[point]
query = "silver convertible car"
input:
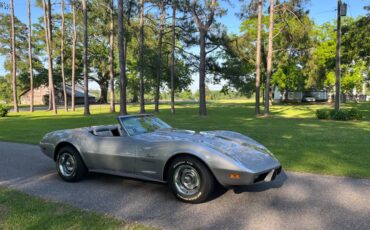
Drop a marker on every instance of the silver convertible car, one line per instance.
(145, 147)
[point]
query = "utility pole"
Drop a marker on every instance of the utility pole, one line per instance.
(342, 11)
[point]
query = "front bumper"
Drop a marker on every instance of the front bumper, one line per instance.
(247, 178)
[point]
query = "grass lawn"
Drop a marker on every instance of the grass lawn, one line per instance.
(300, 141)
(21, 211)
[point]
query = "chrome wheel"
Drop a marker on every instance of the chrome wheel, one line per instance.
(67, 164)
(187, 180)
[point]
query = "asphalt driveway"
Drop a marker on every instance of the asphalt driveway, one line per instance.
(293, 201)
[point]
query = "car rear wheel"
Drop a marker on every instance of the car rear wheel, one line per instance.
(190, 180)
(69, 164)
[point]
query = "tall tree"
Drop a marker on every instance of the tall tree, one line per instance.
(47, 28)
(14, 61)
(258, 57)
(122, 61)
(269, 59)
(52, 101)
(62, 59)
(111, 57)
(203, 28)
(162, 10)
(173, 41)
(74, 38)
(85, 60)
(141, 57)
(30, 55)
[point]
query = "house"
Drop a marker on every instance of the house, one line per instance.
(300, 96)
(41, 96)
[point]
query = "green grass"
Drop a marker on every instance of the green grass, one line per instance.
(21, 211)
(299, 140)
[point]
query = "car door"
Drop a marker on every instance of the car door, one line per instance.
(150, 157)
(111, 153)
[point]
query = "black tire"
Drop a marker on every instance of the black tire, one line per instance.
(79, 169)
(194, 166)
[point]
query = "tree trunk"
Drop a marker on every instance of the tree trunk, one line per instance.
(141, 57)
(135, 97)
(159, 69)
(74, 37)
(62, 61)
(85, 61)
(269, 60)
(103, 92)
(111, 58)
(30, 55)
(14, 61)
(51, 86)
(173, 40)
(48, 40)
(202, 74)
(258, 57)
(203, 28)
(122, 62)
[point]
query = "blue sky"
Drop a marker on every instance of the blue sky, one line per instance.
(320, 10)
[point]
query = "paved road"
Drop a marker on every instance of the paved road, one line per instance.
(293, 201)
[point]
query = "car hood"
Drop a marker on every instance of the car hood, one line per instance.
(241, 148)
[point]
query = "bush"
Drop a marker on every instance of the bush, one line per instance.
(341, 115)
(323, 114)
(355, 114)
(3, 110)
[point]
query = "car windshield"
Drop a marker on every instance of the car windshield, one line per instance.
(142, 124)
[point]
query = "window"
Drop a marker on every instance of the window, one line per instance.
(136, 125)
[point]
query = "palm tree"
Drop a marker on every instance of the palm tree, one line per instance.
(111, 58)
(141, 57)
(62, 60)
(258, 57)
(74, 37)
(122, 62)
(14, 61)
(173, 40)
(30, 54)
(85, 61)
(269, 60)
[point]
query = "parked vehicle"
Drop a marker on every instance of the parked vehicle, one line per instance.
(145, 147)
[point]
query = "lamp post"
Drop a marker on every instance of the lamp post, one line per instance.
(342, 11)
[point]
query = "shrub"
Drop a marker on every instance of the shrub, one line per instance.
(355, 114)
(323, 114)
(341, 115)
(3, 110)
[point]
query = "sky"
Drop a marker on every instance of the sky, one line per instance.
(320, 10)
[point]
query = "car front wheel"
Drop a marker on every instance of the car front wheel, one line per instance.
(69, 164)
(190, 180)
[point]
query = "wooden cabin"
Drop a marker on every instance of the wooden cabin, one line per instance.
(41, 96)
